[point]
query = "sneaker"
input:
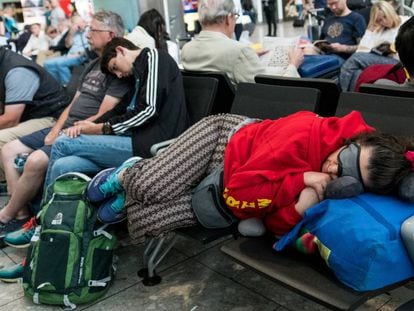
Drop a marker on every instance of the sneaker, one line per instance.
(12, 225)
(94, 192)
(106, 183)
(21, 238)
(112, 211)
(12, 274)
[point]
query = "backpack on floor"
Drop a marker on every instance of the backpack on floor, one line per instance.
(71, 258)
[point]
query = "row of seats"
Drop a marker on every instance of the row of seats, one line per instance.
(263, 100)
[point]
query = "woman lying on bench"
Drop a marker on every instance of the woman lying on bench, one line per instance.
(273, 170)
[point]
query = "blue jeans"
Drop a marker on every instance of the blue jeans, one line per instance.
(87, 154)
(60, 67)
(354, 65)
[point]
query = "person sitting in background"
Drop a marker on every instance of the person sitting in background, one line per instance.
(37, 42)
(214, 50)
(151, 32)
(56, 13)
(404, 44)
(342, 30)
(10, 22)
(76, 41)
(57, 39)
(381, 31)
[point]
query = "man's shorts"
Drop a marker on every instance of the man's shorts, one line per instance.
(36, 141)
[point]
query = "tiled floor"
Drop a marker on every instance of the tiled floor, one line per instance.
(195, 277)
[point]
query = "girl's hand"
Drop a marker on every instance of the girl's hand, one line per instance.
(318, 181)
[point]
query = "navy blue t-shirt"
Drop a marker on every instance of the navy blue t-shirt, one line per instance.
(344, 29)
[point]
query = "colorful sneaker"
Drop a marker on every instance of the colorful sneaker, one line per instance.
(112, 211)
(106, 183)
(12, 274)
(21, 238)
(12, 225)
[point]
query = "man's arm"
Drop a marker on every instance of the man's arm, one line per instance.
(11, 116)
(69, 38)
(342, 48)
(54, 132)
(108, 103)
(21, 85)
(88, 126)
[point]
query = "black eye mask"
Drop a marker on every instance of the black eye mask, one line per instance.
(349, 183)
(348, 162)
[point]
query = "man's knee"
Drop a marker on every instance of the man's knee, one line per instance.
(13, 148)
(36, 162)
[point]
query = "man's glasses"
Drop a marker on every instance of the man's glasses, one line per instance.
(90, 29)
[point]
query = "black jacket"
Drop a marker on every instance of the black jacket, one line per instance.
(159, 111)
(49, 100)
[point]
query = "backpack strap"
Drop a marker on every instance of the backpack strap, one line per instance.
(73, 174)
(69, 305)
(99, 283)
(101, 231)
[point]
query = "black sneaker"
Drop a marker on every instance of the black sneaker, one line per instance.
(12, 225)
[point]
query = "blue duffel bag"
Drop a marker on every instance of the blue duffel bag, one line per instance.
(360, 240)
(315, 66)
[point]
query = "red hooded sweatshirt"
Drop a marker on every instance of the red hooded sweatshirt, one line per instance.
(264, 163)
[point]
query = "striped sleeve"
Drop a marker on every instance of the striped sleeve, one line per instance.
(138, 117)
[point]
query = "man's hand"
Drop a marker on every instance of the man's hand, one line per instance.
(73, 131)
(296, 57)
(88, 127)
(318, 181)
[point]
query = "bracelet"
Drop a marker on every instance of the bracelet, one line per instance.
(107, 128)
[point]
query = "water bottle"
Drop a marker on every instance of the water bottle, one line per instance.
(20, 161)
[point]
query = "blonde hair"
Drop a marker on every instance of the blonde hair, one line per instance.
(389, 13)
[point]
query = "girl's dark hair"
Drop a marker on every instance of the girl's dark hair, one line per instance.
(387, 164)
(153, 22)
(109, 51)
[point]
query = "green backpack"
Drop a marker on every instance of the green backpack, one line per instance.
(71, 259)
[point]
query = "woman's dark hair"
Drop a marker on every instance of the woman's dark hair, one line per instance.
(387, 164)
(109, 51)
(153, 22)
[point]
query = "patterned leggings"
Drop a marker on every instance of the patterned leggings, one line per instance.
(158, 190)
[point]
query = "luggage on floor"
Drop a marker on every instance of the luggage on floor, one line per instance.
(71, 258)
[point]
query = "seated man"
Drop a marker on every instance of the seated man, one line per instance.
(343, 29)
(30, 98)
(214, 50)
(97, 93)
(404, 44)
(156, 113)
(76, 41)
(37, 42)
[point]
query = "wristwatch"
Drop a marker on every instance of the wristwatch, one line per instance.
(107, 128)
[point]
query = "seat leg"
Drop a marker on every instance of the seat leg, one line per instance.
(153, 255)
